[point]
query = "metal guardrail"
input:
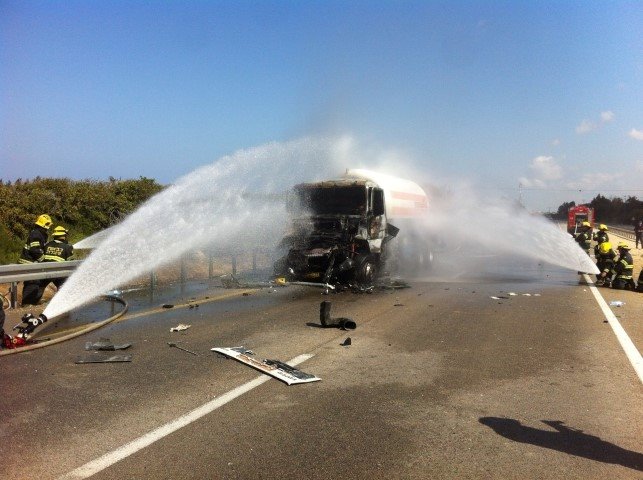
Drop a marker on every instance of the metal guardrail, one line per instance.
(16, 273)
(622, 232)
(34, 271)
(37, 271)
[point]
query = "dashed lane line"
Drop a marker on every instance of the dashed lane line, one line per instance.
(633, 355)
(109, 459)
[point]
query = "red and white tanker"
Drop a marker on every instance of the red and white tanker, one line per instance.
(342, 228)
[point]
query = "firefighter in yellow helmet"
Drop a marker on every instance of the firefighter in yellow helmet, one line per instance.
(584, 238)
(57, 250)
(624, 269)
(605, 260)
(600, 237)
(33, 252)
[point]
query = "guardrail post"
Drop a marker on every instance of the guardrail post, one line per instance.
(152, 284)
(210, 266)
(254, 261)
(14, 295)
(183, 274)
(234, 264)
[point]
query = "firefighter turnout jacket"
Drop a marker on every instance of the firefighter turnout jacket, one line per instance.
(624, 267)
(58, 251)
(584, 239)
(34, 249)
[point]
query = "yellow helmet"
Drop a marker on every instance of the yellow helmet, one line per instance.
(586, 224)
(603, 227)
(60, 231)
(44, 221)
(623, 245)
(604, 247)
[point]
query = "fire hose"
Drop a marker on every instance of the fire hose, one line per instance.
(90, 328)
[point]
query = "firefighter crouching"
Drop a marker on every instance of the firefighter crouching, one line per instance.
(33, 252)
(57, 250)
(600, 237)
(624, 269)
(584, 238)
(605, 261)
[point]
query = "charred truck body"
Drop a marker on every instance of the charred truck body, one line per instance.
(342, 229)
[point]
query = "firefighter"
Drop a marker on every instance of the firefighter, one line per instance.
(584, 238)
(638, 231)
(605, 260)
(33, 252)
(623, 269)
(57, 250)
(600, 237)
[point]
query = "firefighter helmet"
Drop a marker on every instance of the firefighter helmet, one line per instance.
(586, 224)
(603, 227)
(59, 231)
(44, 221)
(623, 245)
(604, 247)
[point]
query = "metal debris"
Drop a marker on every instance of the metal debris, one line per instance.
(99, 358)
(172, 344)
(106, 345)
(180, 327)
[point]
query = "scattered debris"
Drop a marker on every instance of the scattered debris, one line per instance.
(327, 322)
(180, 327)
(398, 304)
(495, 298)
(172, 344)
(526, 294)
(167, 305)
(105, 344)
(99, 358)
(512, 294)
(346, 342)
(274, 368)
(616, 303)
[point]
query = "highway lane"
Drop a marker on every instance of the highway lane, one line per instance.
(440, 381)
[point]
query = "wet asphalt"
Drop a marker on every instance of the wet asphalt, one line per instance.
(440, 381)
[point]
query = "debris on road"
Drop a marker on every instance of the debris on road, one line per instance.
(346, 342)
(327, 322)
(99, 358)
(274, 368)
(616, 303)
(167, 305)
(105, 344)
(180, 327)
(172, 344)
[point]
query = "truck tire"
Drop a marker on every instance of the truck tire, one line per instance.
(367, 270)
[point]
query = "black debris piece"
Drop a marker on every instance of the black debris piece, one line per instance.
(101, 358)
(105, 344)
(327, 322)
(346, 342)
(167, 305)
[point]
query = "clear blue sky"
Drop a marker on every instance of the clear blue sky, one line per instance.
(544, 94)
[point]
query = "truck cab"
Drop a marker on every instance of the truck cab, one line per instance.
(341, 228)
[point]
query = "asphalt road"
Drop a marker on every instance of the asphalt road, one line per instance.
(440, 381)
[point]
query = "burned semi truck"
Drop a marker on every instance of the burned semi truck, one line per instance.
(343, 230)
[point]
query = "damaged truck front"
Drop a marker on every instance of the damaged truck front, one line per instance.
(342, 228)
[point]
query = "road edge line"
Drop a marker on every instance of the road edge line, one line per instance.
(632, 353)
(101, 463)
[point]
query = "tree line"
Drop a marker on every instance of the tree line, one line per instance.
(609, 210)
(84, 207)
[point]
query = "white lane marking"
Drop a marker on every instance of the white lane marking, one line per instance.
(630, 349)
(134, 446)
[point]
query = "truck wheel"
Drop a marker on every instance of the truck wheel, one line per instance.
(367, 270)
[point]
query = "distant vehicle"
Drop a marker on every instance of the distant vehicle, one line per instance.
(342, 228)
(577, 215)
